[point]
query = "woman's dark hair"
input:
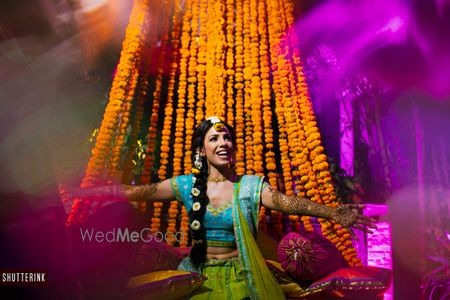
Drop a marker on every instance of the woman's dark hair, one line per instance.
(198, 251)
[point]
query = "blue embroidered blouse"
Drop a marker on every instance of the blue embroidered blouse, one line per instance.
(218, 221)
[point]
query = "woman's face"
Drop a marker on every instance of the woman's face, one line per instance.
(218, 147)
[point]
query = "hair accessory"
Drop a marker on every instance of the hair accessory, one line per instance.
(195, 225)
(195, 192)
(198, 161)
(217, 123)
(196, 206)
(214, 120)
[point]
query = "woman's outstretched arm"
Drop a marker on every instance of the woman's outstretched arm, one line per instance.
(293, 205)
(161, 191)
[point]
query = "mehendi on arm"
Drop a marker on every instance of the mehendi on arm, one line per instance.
(99, 191)
(346, 215)
(297, 205)
(140, 192)
(161, 191)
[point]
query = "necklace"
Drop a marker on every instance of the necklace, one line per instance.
(217, 179)
(222, 178)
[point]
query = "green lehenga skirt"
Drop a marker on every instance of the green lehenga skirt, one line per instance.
(226, 280)
(243, 277)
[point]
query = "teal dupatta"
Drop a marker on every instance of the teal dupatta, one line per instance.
(260, 281)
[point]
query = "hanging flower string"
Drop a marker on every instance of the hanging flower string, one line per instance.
(274, 30)
(117, 97)
(191, 87)
(201, 61)
(156, 103)
(249, 162)
(266, 94)
(173, 209)
(239, 86)
(318, 187)
(167, 124)
(219, 61)
(181, 110)
(255, 92)
(141, 98)
(230, 103)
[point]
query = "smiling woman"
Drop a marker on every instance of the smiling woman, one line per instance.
(219, 147)
(223, 215)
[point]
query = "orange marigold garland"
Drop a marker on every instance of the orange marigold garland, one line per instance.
(121, 84)
(293, 126)
(318, 185)
(255, 92)
(230, 103)
(122, 126)
(155, 112)
(192, 80)
(215, 61)
(152, 129)
(201, 62)
(266, 94)
(274, 38)
(178, 147)
(141, 98)
(168, 112)
(239, 86)
(168, 109)
(219, 63)
(186, 42)
(184, 225)
(249, 158)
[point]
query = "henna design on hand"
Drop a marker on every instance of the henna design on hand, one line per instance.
(141, 192)
(348, 217)
(296, 205)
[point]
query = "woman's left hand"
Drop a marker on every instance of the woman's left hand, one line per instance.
(348, 216)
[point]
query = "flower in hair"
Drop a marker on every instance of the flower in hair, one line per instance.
(195, 192)
(214, 120)
(196, 206)
(218, 126)
(217, 123)
(195, 171)
(194, 179)
(195, 225)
